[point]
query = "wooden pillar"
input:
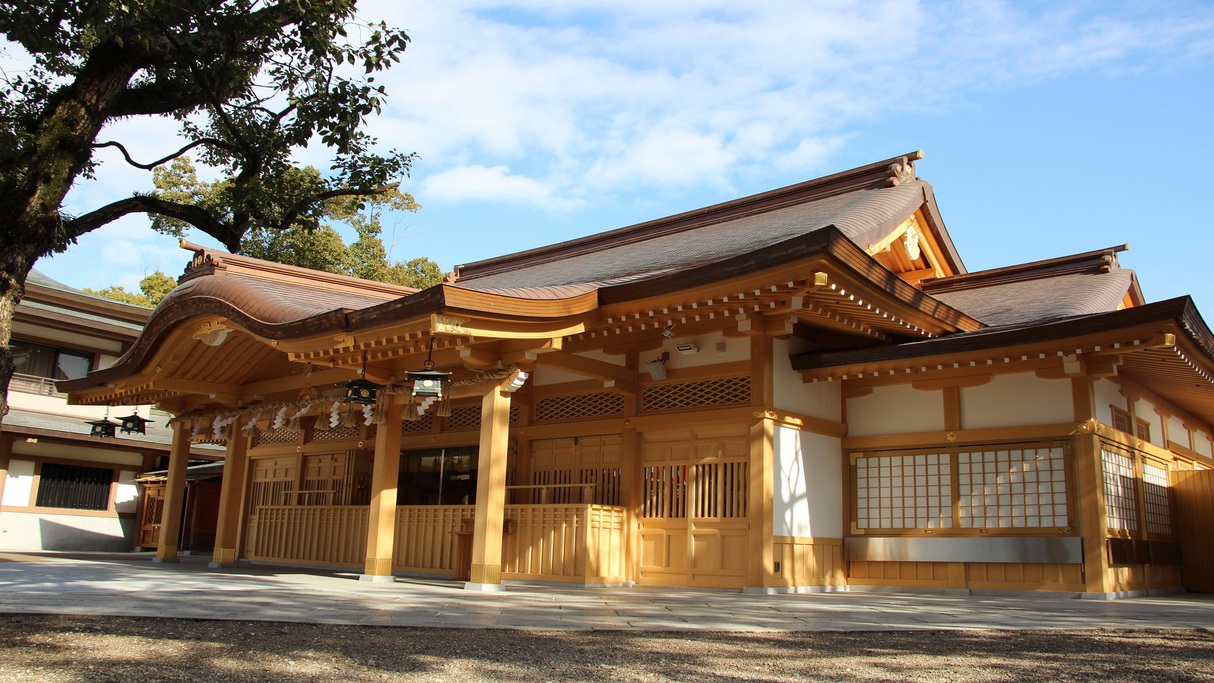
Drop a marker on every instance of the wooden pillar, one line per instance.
(231, 499)
(631, 491)
(760, 566)
(490, 491)
(381, 522)
(174, 495)
(1093, 526)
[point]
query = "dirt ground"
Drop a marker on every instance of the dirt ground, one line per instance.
(46, 649)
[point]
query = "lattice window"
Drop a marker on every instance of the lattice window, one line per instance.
(720, 490)
(1120, 495)
(713, 392)
(464, 417)
(1142, 429)
(516, 414)
(665, 491)
(423, 424)
(578, 406)
(904, 491)
(1014, 488)
(1121, 420)
(275, 437)
(606, 481)
(272, 479)
(338, 433)
(71, 486)
(1155, 496)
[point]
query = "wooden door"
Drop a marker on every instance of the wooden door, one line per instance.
(693, 528)
(152, 510)
(272, 482)
(1193, 492)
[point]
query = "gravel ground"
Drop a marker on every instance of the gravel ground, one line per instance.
(49, 649)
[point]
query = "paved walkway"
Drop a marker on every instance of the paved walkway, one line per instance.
(132, 585)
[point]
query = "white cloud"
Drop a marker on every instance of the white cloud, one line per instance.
(496, 184)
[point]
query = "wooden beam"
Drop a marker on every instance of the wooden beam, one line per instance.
(587, 367)
(228, 394)
(475, 358)
(305, 380)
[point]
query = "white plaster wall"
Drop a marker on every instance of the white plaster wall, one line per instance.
(126, 498)
(816, 399)
(897, 409)
(808, 492)
(33, 531)
(1145, 410)
(1201, 443)
(549, 376)
(19, 484)
(86, 455)
(1177, 431)
(714, 349)
(1015, 400)
(1108, 394)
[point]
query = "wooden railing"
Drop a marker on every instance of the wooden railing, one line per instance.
(328, 535)
(577, 543)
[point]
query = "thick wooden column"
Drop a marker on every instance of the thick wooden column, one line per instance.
(174, 495)
(231, 499)
(1093, 525)
(631, 498)
(760, 566)
(381, 523)
(491, 491)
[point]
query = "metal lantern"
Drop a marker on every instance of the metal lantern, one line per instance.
(428, 382)
(362, 391)
(102, 428)
(134, 423)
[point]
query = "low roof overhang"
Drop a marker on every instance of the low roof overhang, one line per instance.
(1164, 346)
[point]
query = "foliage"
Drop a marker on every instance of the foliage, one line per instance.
(318, 248)
(152, 288)
(247, 83)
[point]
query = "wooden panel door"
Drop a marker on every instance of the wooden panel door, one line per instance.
(693, 526)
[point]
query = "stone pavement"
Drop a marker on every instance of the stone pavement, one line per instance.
(132, 585)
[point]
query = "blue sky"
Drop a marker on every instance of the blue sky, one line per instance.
(1049, 128)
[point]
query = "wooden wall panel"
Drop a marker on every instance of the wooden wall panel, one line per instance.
(1194, 496)
(810, 561)
(331, 536)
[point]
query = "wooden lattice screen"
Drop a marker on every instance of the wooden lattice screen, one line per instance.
(684, 395)
(578, 406)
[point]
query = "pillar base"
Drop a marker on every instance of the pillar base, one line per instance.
(377, 578)
(160, 560)
(484, 587)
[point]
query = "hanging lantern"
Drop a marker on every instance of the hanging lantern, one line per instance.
(428, 382)
(361, 390)
(103, 427)
(134, 423)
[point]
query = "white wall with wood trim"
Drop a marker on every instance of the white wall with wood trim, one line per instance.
(714, 349)
(816, 399)
(1201, 443)
(19, 484)
(1108, 395)
(1145, 410)
(544, 376)
(896, 409)
(1178, 432)
(807, 499)
(1016, 400)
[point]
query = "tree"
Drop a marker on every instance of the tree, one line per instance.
(318, 248)
(152, 288)
(247, 82)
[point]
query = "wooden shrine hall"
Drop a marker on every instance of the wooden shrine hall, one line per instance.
(801, 390)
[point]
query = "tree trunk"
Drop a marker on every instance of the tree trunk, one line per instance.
(14, 267)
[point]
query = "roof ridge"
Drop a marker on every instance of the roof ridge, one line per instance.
(885, 173)
(206, 260)
(1096, 261)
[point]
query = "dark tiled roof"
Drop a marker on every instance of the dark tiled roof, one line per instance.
(1052, 298)
(864, 204)
(158, 437)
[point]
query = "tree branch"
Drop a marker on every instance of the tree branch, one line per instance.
(147, 167)
(290, 216)
(197, 217)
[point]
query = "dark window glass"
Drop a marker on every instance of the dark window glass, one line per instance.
(79, 488)
(38, 360)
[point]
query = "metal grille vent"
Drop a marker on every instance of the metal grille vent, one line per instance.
(578, 406)
(713, 392)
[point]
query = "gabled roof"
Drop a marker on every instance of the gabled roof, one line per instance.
(1086, 283)
(864, 204)
(51, 303)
